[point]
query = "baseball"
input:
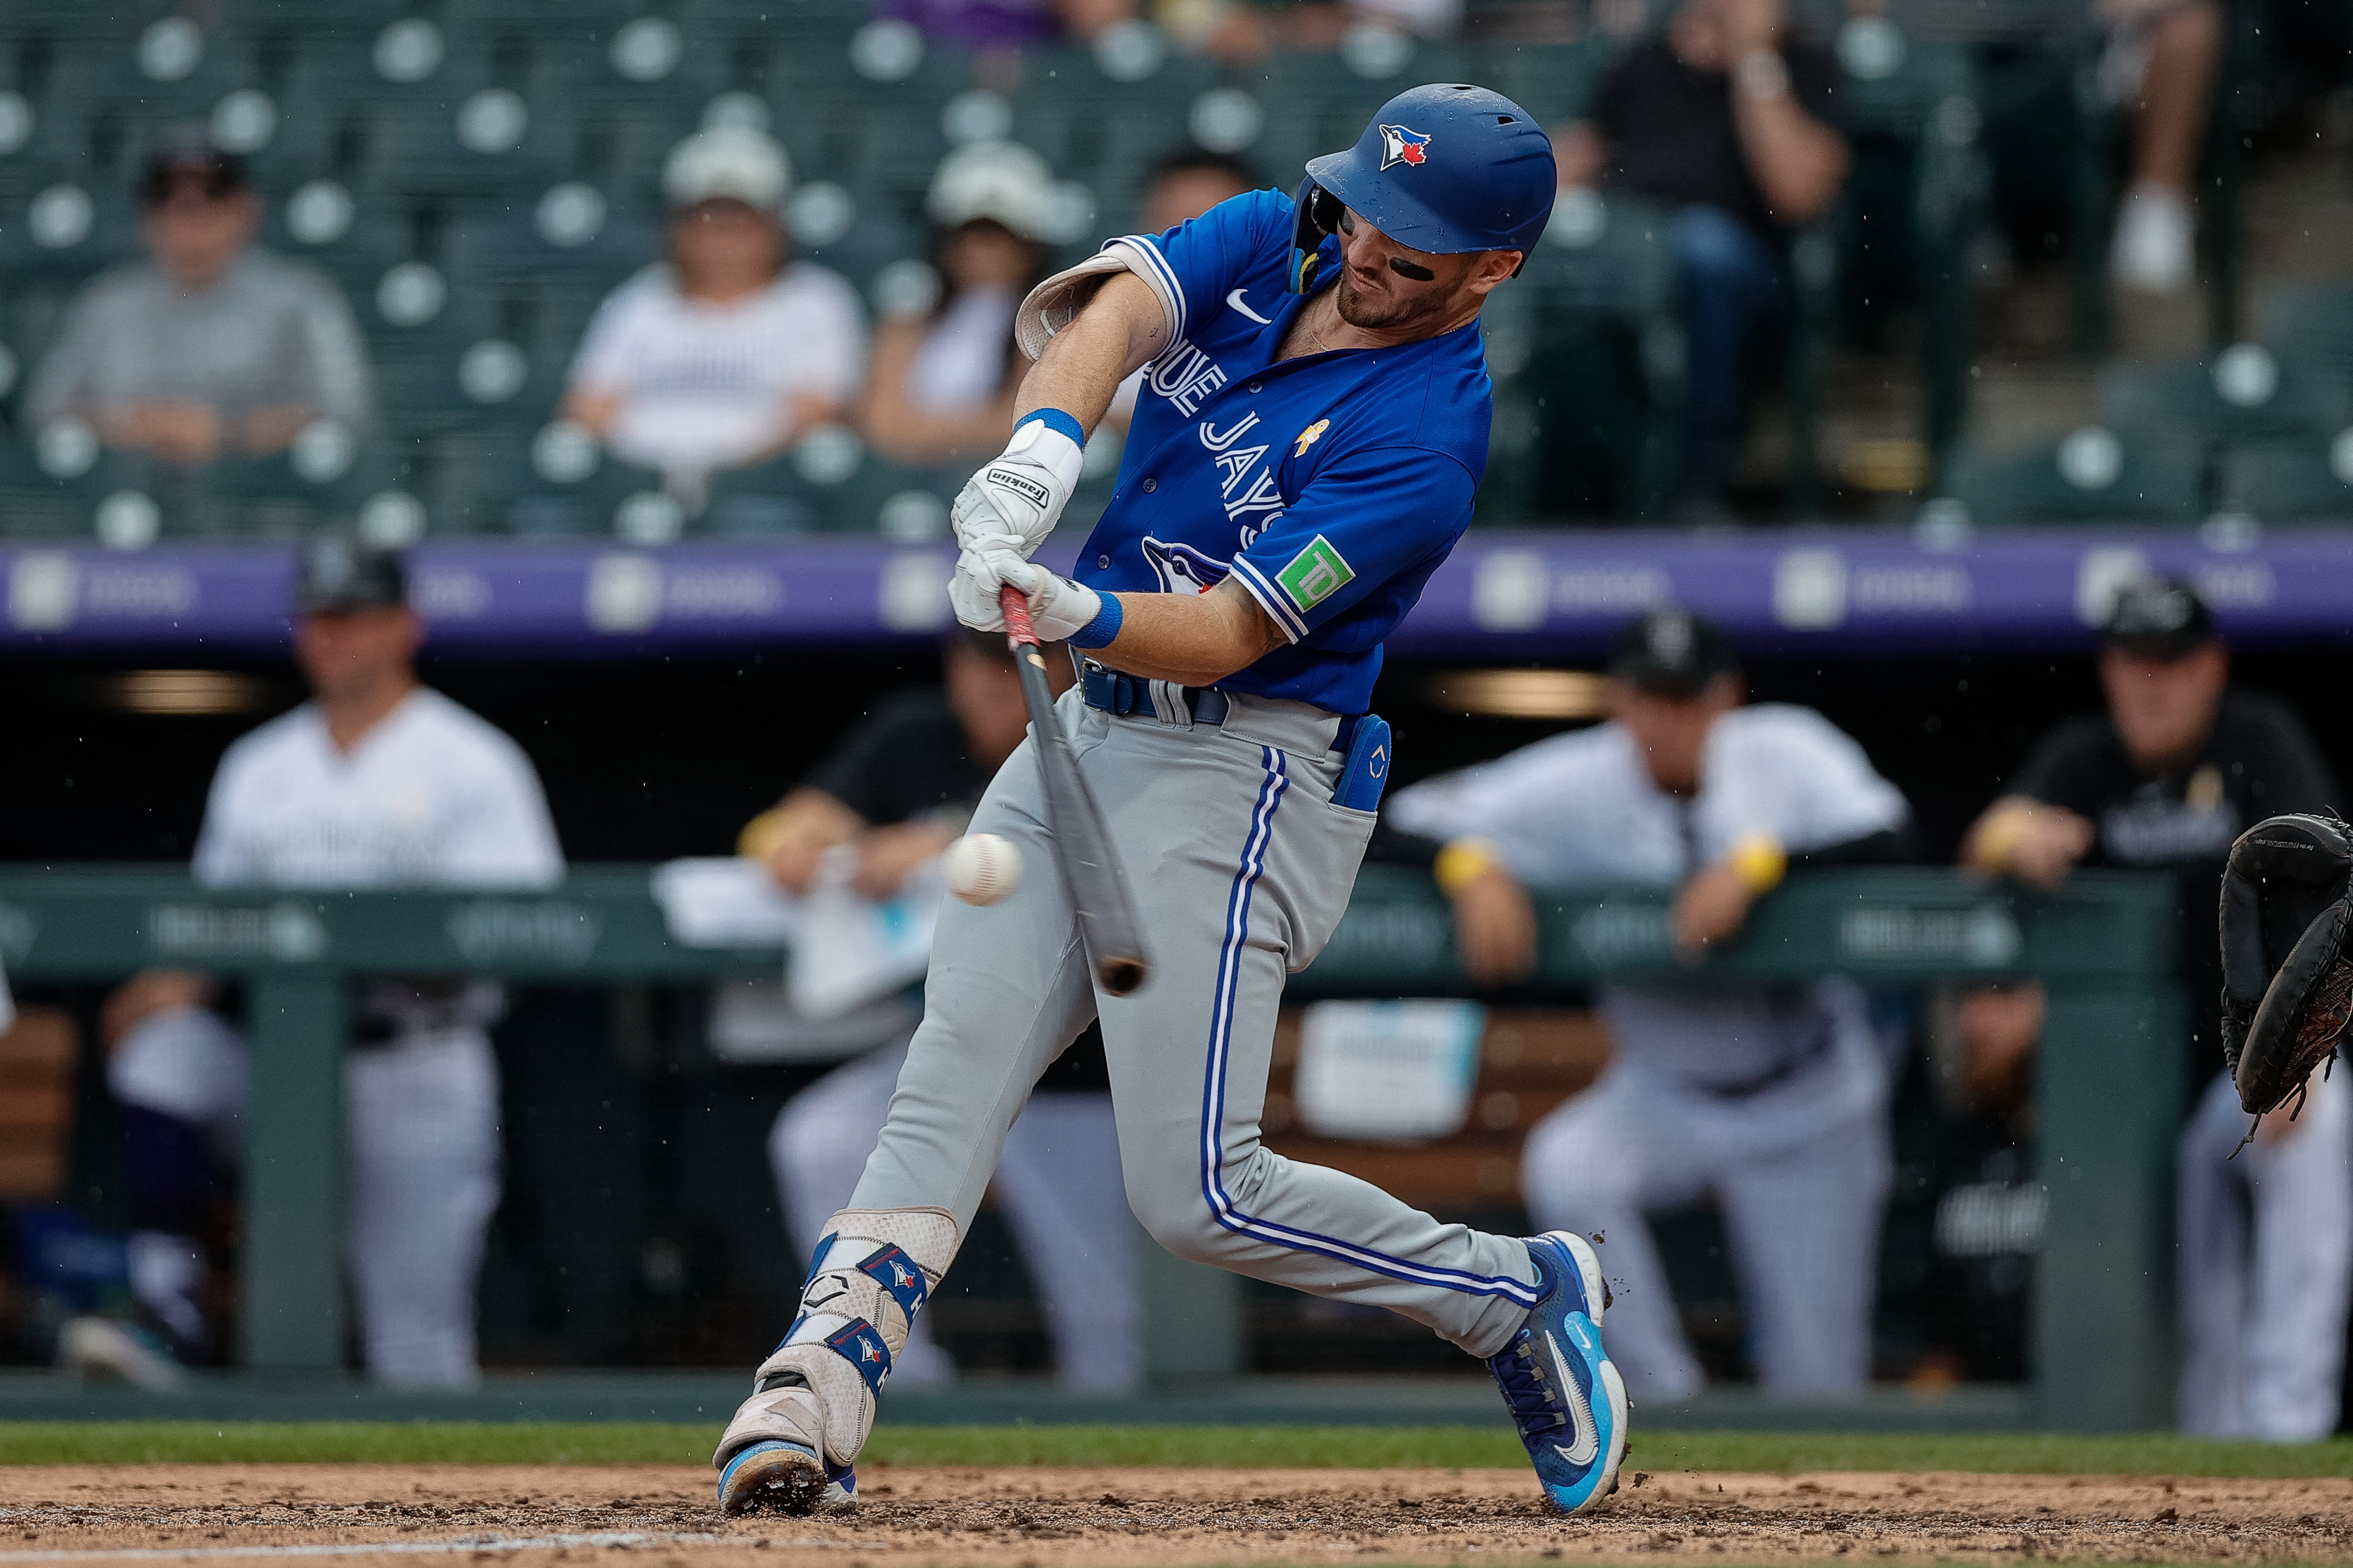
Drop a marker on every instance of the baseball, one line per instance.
(983, 867)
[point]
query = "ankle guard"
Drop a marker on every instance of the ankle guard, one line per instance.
(870, 1275)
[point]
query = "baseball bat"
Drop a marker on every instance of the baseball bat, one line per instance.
(1091, 876)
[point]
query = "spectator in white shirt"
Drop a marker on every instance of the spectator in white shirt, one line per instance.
(730, 350)
(944, 377)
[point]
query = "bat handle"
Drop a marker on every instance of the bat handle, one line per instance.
(1019, 633)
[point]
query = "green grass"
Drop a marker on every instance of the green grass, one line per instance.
(1422, 1447)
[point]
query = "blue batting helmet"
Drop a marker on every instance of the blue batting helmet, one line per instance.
(1444, 168)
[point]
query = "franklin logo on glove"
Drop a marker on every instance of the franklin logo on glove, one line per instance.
(1029, 490)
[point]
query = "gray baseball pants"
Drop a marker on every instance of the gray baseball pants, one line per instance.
(2265, 1265)
(1240, 865)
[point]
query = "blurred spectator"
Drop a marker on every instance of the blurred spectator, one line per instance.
(2167, 51)
(2166, 780)
(1730, 121)
(731, 350)
(1007, 24)
(944, 381)
(1772, 1100)
(899, 789)
(1190, 181)
(212, 345)
(378, 782)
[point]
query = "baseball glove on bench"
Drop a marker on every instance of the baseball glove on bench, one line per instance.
(2288, 983)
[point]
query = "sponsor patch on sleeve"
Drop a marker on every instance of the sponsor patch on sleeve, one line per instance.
(1316, 573)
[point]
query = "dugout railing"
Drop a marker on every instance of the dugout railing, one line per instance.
(2108, 1089)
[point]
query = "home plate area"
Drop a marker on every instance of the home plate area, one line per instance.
(1041, 1515)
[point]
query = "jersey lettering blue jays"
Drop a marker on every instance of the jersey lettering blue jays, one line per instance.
(1330, 486)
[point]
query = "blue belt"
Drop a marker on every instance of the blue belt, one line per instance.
(1120, 695)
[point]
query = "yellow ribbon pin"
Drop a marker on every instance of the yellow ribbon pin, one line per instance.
(1307, 438)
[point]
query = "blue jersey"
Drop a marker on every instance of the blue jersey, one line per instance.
(1330, 486)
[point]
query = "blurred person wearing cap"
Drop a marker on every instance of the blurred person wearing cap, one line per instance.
(1731, 121)
(2166, 780)
(212, 346)
(376, 782)
(1770, 1099)
(731, 350)
(944, 377)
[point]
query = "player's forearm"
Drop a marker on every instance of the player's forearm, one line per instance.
(1799, 162)
(1192, 639)
(1120, 330)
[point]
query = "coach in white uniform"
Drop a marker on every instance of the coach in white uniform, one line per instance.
(1770, 1099)
(376, 782)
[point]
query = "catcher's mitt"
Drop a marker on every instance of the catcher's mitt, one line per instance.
(2287, 986)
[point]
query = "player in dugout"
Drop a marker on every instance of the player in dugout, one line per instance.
(1772, 1099)
(1305, 454)
(377, 782)
(2179, 764)
(897, 789)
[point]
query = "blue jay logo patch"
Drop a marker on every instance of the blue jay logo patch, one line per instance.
(1400, 145)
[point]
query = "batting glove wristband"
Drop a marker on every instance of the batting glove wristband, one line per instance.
(1018, 496)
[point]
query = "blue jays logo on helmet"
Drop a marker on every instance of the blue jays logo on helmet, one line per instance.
(1400, 145)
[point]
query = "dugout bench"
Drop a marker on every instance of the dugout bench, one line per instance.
(2108, 1089)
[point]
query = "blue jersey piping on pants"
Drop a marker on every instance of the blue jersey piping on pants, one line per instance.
(1277, 783)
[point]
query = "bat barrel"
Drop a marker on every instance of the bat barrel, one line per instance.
(1120, 975)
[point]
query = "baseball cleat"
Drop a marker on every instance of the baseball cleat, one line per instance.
(785, 1477)
(1565, 1397)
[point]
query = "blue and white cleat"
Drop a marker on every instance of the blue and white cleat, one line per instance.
(1567, 1401)
(785, 1477)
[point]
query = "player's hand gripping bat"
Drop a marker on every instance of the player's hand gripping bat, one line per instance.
(1091, 877)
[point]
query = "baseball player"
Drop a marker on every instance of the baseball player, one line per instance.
(1772, 1099)
(377, 782)
(1305, 455)
(2165, 779)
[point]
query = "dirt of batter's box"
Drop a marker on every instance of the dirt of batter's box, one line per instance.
(1045, 1516)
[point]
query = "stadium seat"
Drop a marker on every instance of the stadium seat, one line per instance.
(491, 383)
(558, 481)
(2243, 393)
(319, 481)
(2092, 476)
(354, 237)
(2289, 484)
(1599, 367)
(624, 64)
(1913, 205)
(58, 483)
(570, 237)
(66, 230)
(2310, 327)
(172, 69)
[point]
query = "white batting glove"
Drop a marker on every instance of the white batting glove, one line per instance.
(1058, 606)
(1018, 496)
(972, 592)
